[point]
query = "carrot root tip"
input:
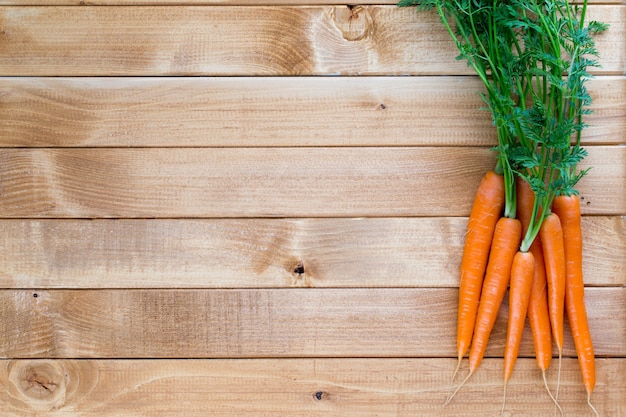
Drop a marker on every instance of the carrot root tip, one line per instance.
(591, 406)
(556, 403)
(457, 389)
(456, 371)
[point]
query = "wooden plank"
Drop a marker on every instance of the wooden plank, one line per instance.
(282, 111)
(286, 40)
(295, 387)
(268, 182)
(243, 323)
(210, 2)
(261, 253)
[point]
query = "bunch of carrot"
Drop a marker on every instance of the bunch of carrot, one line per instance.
(524, 230)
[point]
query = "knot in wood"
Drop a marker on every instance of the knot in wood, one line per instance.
(40, 383)
(319, 395)
(354, 22)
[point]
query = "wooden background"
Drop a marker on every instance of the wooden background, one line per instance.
(257, 208)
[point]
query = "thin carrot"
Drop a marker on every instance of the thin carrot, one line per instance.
(538, 316)
(506, 239)
(521, 283)
(568, 210)
(486, 210)
(551, 234)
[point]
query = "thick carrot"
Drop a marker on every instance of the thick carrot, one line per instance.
(521, 283)
(486, 210)
(506, 240)
(505, 245)
(568, 210)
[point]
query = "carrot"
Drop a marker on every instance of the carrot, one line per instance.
(568, 210)
(486, 210)
(506, 239)
(505, 244)
(551, 234)
(522, 272)
(538, 316)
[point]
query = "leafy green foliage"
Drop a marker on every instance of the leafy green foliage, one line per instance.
(533, 58)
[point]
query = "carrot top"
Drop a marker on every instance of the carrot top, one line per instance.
(558, 50)
(532, 57)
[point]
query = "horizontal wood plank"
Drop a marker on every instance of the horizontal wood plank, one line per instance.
(274, 111)
(287, 40)
(295, 387)
(210, 2)
(400, 322)
(268, 182)
(261, 253)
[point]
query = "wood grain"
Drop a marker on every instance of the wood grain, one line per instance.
(275, 111)
(247, 323)
(261, 253)
(288, 40)
(209, 2)
(268, 182)
(301, 387)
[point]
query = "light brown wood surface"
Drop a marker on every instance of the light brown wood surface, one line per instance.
(259, 323)
(269, 182)
(281, 40)
(294, 387)
(275, 111)
(257, 208)
(262, 253)
(83, 3)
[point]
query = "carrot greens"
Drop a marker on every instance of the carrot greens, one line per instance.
(532, 57)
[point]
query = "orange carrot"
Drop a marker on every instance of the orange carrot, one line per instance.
(568, 210)
(522, 272)
(506, 240)
(525, 202)
(551, 234)
(486, 210)
(538, 316)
